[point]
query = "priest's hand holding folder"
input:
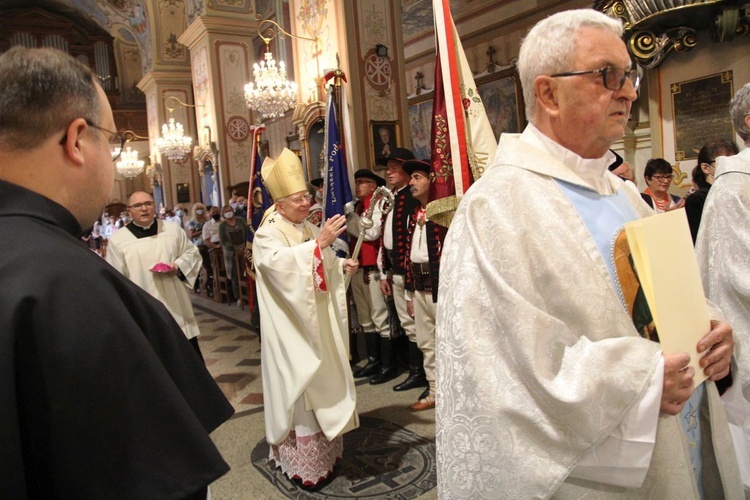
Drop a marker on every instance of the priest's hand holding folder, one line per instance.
(679, 375)
(695, 348)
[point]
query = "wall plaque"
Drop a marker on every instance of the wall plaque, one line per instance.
(700, 113)
(183, 192)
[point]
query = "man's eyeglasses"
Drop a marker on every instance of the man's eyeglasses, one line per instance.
(115, 139)
(662, 178)
(138, 206)
(612, 77)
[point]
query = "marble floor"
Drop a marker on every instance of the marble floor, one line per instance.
(391, 455)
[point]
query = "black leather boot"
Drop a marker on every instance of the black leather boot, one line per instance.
(372, 341)
(416, 376)
(353, 349)
(388, 360)
(424, 394)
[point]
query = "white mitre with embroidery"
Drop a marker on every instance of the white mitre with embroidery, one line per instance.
(283, 176)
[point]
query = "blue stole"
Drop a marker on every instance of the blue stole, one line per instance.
(604, 217)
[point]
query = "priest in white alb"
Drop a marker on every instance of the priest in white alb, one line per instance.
(722, 248)
(546, 388)
(308, 388)
(158, 256)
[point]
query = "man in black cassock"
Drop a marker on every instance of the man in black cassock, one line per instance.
(101, 394)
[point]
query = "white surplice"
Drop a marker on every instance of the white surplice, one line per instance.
(133, 257)
(538, 361)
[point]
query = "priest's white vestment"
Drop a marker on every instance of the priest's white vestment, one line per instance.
(538, 361)
(304, 356)
(133, 257)
(723, 251)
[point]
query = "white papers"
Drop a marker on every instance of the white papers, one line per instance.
(662, 251)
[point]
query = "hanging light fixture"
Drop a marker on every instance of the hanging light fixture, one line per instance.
(129, 165)
(272, 94)
(173, 143)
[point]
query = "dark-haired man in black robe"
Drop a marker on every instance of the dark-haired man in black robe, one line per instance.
(101, 394)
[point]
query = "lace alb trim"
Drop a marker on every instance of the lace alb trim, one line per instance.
(308, 458)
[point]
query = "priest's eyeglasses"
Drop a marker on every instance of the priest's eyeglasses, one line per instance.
(138, 206)
(612, 77)
(115, 139)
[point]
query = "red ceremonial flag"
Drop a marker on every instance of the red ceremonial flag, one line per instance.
(462, 140)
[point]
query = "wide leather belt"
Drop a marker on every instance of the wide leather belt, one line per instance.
(420, 273)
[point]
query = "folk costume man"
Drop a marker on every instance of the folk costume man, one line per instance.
(372, 310)
(316, 209)
(102, 395)
(722, 247)
(137, 250)
(393, 276)
(424, 240)
(308, 389)
(546, 389)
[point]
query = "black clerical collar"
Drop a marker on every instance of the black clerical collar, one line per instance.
(143, 232)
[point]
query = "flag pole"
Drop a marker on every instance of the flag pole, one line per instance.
(256, 132)
(338, 77)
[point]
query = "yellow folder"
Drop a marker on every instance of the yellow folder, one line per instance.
(664, 258)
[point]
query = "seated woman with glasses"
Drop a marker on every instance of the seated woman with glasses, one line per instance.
(658, 175)
(703, 178)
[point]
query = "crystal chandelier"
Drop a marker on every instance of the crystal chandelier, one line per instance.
(173, 143)
(129, 165)
(272, 94)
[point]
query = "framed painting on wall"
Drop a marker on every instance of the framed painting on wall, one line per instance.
(420, 121)
(384, 139)
(503, 101)
(315, 160)
(699, 112)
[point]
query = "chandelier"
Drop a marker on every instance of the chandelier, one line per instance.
(129, 165)
(173, 143)
(272, 93)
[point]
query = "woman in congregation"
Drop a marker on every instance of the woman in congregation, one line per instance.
(232, 235)
(195, 233)
(658, 175)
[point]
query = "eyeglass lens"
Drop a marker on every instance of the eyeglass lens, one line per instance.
(138, 206)
(614, 78)
(300, 199)
(117, 143)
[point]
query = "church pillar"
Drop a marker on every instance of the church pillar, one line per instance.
(158, 86)
(220, 54)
